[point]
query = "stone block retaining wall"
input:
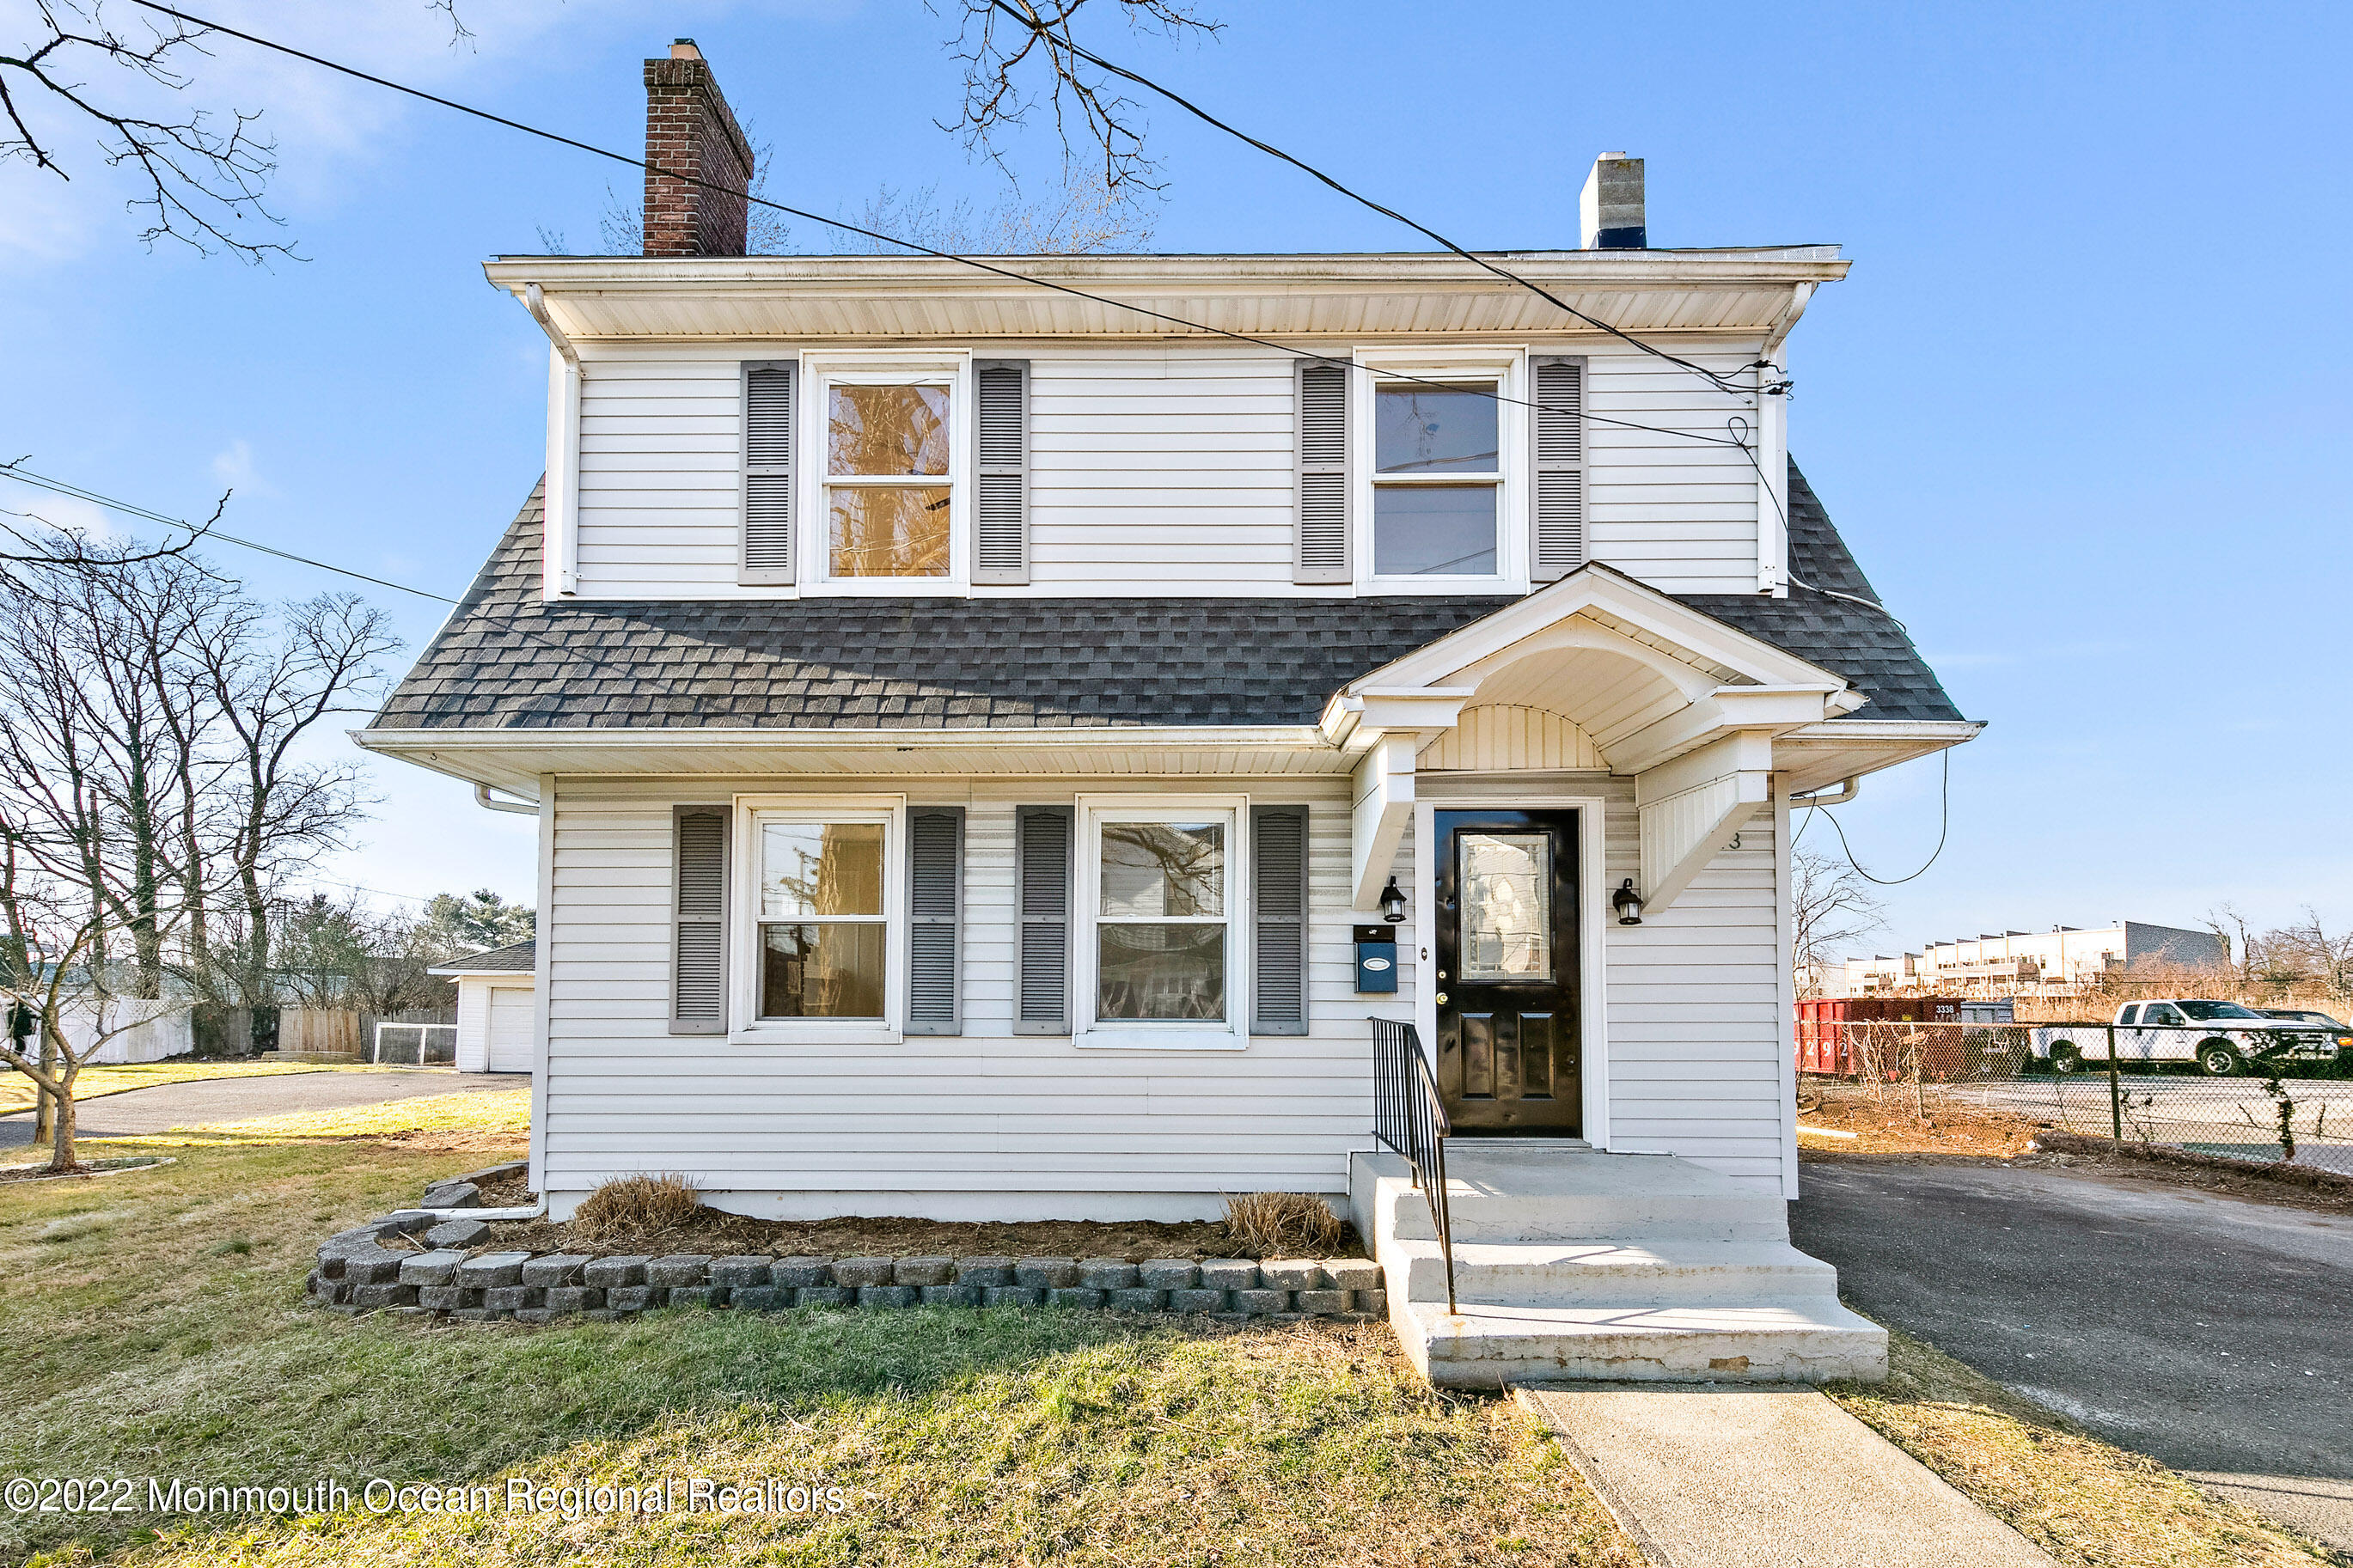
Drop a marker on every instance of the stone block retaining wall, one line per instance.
(383, 1266)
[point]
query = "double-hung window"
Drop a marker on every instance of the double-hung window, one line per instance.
(823, 949)
(888, 485)
(1437, 479)
(888, 503)
(1161, 958)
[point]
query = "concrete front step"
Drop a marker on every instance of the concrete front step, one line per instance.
(1762, 1342)
(1500, 1192)
(1614, 1273)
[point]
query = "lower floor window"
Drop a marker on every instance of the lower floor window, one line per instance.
(1162, 919)
(824, 936)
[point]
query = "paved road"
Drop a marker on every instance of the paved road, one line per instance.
(2207, 1331)
(208, 1100)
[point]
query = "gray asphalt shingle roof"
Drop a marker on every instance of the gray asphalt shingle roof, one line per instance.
(506, 660)
(521, 958)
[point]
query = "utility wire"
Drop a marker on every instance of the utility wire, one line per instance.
(921, 249)
(1062, 40)
(42, 482)
(1943, 830)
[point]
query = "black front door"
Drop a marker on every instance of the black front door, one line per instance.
(1507, 971)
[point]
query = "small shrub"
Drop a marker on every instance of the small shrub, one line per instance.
(628, 1206)
(1270, 1225)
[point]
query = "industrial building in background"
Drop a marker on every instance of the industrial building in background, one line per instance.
(2064, 958)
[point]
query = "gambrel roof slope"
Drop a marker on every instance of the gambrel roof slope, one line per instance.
(506, 660)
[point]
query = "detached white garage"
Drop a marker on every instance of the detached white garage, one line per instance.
(497, 1006)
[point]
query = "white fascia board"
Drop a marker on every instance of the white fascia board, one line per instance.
(482, 973)
(1764, 709)
(502, 757)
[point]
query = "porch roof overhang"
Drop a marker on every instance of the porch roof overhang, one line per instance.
(1693, 708)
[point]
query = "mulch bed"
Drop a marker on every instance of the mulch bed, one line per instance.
(720, 1234)
(511, 1191)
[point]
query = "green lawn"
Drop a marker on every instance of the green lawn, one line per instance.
(154, 1328)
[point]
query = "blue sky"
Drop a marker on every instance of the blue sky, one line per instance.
(2080, 410)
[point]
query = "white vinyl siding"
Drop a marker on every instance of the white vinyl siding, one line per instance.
(990, 1122)
(1161, 471)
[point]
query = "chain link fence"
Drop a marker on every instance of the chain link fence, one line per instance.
(2256, 1094)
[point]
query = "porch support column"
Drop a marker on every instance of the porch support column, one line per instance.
(1690, 807)
(1384, 798)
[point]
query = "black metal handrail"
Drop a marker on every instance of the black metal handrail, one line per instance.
(1409, 1118)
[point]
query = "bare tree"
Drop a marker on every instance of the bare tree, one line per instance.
(2313, 951)
(1017, 53)
(199, 174)
(2237, 937)
(282, 814)
(1831, 906)
(1078, 215)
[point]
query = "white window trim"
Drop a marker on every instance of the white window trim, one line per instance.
(1090, 1033)
(745, 1026)
(1507, 367)
(881, 367)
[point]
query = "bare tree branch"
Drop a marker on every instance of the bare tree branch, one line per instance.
(203, 173)
(1004, 44)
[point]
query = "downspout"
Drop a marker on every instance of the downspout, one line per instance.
(520, 808)
(561, 528)
(1848, 790)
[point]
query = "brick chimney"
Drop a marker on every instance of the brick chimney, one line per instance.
(691, 132)
(1609, 211)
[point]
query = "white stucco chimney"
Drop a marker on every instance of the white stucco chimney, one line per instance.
(1611, 211)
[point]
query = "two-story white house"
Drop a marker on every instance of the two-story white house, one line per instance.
(974, 713)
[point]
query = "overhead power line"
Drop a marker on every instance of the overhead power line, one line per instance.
(921, 249)
(60, 486)
(1063, 41)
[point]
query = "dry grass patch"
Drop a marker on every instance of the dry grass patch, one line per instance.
(2082, 1500)
(628, 1206)
(502, 1114)
(1284, 1225)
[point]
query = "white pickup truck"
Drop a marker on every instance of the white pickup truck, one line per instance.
(2221, 1038)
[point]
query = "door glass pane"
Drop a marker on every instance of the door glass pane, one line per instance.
(887, 430)
(1437, 531)
(1154, 869)
(888, 530)
(1163, 972)
(821, 869)
(1506, 898)
(1436, 429)
(833, 970)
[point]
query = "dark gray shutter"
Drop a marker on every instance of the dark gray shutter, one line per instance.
(1001, 532)
(1041, 850)
(1319, 550)
(767, 474)
(935, 913)
(698, 993)
(1559, 545)
(1279, 919)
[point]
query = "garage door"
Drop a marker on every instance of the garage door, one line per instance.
(510, 1013)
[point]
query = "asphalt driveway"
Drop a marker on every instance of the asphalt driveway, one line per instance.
(208, 1100)
(2208, 1332)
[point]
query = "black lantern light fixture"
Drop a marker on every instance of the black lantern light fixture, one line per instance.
(1393, 903)
(1628, 903)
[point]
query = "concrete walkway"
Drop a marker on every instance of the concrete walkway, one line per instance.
(2204, 1330)
(201, 1102)
(1733, 1475)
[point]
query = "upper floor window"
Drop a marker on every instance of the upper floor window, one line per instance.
(1436, 480)
(888, 466)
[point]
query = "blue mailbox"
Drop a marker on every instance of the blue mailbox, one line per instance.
(1377, 951)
